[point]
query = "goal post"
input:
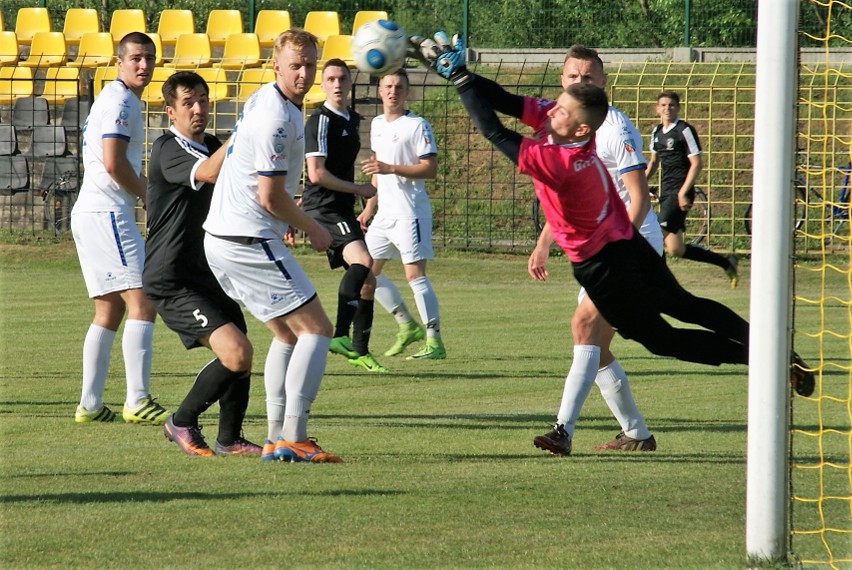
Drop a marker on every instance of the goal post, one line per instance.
(767, 472)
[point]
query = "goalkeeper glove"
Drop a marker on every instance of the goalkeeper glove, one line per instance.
(447, 60)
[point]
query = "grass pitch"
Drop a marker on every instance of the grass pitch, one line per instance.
(439, 471)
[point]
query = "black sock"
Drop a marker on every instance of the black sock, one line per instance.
(347, 297)
(696, 253)
(232, 409)
(210, 384)
(362, 326)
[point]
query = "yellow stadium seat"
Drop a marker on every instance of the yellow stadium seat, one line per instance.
(79, 21)
(158, 45)
(364, 16)
(339, 47)
(104, 75)
(217, 83)
(47, 50)
(322, 25)
(314, 97)
(123, 22)
(223, 23)
(29, 22)
(174, 23)
(15, 82)
(96, 49)
(153, 93)
(269, 25)
(241, 51)
(191, 51)
(61, 83)
(252, 79)
(8, 49)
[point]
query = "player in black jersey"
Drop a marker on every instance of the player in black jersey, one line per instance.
(332, 143)
(675, 148)
(184, 164)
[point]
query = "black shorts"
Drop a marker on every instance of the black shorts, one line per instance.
(629, 283)
(632, 288)
(194, 314)
(344, 229)
(672, 218)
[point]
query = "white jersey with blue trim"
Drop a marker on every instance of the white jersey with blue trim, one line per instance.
(268, 140)
(619, 145)
(116, 113)
(404, 140)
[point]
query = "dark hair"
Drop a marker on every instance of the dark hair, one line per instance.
(583, 53)
(593, 103)
(188, 80)
(398, 73)
(669, 95)
(337, 62)
(139, 38)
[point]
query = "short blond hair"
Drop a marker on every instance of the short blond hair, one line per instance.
(296, 37)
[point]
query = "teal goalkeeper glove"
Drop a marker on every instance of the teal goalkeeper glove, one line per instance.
(446, 59)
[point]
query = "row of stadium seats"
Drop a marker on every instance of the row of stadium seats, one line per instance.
(173, 23)
(44, 140)
(221, 87)
(95, 49)
(16, 171)
(61, 84)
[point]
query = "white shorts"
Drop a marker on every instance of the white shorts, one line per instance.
(263, 277)
(409, 239)
(111, 251)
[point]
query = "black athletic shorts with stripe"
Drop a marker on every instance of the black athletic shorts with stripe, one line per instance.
(196, 313)
(344, 229)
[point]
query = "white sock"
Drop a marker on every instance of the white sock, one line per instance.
(137, 347)
(96, 350)
(390, 299)
(615, 389)
(427, 304)
(304, 375)
(579, 381)
(274, 375)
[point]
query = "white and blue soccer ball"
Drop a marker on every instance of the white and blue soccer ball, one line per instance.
(379, 46)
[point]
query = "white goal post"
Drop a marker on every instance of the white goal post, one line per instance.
(767, 478)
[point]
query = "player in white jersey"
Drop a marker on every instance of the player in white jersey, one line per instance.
(109, 245)
(405, 156)
(253, 203)
(619, 146)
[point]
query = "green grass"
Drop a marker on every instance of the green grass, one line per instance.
(439, 467)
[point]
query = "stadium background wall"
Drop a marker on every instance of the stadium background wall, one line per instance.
(479, 201)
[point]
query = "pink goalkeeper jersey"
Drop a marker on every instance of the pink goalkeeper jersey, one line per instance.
(577, 195)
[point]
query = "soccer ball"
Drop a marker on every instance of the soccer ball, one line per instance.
(379, 47)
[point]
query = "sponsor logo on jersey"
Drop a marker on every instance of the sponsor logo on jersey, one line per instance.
(629, 146)
(581, 164)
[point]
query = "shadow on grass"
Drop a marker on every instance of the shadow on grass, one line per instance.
(520, 421)
(155, 497)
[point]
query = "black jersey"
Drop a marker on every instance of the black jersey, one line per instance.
(336, 138)
(174, 250)
(673, 149)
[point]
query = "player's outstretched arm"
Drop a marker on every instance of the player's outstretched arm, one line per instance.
(449, 62)
(477, 93)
